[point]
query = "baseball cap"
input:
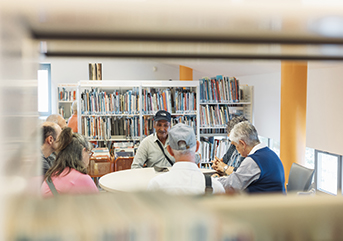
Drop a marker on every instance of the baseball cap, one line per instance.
(162, 115)
(181, 132)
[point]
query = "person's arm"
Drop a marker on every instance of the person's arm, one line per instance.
(248, 172)
(217, 186)
(153, 185)
(141, 155)
(239, 161)
(219, 166)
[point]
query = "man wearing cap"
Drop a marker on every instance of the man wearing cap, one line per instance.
(153, 149)
(184, 177)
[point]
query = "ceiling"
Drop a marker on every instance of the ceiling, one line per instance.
(208, 36)
(238, 67)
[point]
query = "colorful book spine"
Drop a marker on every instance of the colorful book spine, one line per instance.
(108, 127)
(219, 90)
(65, 94)
(101, 102)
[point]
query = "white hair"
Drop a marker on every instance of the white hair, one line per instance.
(246, 132)
(178, 153)
(74, 106)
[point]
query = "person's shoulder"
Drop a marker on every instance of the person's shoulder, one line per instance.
(217, 186)
(154, 183)
(150, 138)
(160, 178)
(82, 179)
(78, 175)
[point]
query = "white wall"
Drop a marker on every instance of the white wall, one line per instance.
(324, 109)
(71, 70)
(267, 95)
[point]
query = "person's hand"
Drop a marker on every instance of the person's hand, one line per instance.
(218, 165)
(215, 175)
(215, 163)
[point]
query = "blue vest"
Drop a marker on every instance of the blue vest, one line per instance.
(272, 177)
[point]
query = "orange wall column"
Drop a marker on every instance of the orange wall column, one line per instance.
(293, 114)
(186, 73)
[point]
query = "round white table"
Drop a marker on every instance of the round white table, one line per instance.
(131, 180)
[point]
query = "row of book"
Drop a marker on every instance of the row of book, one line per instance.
(173, 100)
(220, 130)
(214, 115)
(95, 71)
(218, 116)
(117, 102)
(143, 216)
(112, 127)
(211, 147)
(176, 100)
(220, 90)
(66, 95)
(107, 128)
(148, 123)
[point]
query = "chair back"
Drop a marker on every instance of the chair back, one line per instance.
(300, 178)
(122, 163)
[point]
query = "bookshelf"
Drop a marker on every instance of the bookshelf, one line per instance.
(221, 99)
(66, 95)
(122, 111)
(183, 103)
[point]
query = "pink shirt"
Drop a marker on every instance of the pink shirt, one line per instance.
(74, 182)
(72, 123)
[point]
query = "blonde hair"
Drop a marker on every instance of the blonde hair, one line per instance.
(74, 106)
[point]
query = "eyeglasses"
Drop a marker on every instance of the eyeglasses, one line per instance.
(91, 153)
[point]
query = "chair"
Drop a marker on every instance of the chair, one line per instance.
(123, 163)
(300, 178)
(99, 166)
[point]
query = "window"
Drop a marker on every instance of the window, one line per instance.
(327, 166)
(275, 146)
(264, 140)
(44, 93)
(309, 158)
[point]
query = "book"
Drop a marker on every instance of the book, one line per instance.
(98, 71)
(92, 71)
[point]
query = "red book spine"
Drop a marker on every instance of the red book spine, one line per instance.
(164, 101)
(218, 90)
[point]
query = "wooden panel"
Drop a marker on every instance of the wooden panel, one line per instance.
(99, 167)
(123, 163)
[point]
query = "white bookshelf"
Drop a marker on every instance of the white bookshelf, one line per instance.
(138, 114)
(213, 120)
(64, 102)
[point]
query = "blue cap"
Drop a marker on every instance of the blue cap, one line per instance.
(162, 115)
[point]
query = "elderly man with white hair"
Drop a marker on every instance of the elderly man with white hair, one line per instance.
(261, 170)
